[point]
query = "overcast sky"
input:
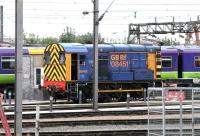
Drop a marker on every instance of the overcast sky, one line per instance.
(50, 17)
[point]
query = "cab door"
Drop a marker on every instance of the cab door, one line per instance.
(74, 67)
(68, 67)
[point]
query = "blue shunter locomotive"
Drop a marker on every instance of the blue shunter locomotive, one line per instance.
(68, 69)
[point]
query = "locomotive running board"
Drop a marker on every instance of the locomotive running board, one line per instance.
(119, 91)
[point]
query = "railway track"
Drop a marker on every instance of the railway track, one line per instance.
(101, 124)
(73, 119)
(106, 119)
(64, 105)
(95, 133)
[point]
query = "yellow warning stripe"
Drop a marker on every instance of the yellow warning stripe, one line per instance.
(54, 60)
(46, 67)
(59, 72)
(49, 72)
(47, 48)
(57, 78)
(51, 76)
(54, 53)
(60, 47)
(129, 90)
(158, 66)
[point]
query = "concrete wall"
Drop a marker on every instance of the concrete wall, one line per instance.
(26, 77)
(31, 92)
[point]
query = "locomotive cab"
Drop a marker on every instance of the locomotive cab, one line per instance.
(55, 67)
(64, 65)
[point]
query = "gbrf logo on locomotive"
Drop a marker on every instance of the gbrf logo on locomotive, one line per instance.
(118, 60)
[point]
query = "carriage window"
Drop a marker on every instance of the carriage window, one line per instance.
(47, 57)
(166, 62)
(197, 61)
(8, 62)
(38, 76)
(62, 58)
(82, 60)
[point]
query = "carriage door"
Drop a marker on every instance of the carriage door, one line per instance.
(74, 67)
(180, 65)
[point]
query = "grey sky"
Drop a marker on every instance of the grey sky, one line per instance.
(50, 17)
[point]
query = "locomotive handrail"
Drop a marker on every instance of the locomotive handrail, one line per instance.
(122, 90)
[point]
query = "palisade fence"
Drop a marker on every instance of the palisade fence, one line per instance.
(174, 111)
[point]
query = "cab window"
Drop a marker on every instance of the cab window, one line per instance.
(197, 61)
(47, 57)
(8, 62)
(62, 57)
(82, 60)
(166, 61)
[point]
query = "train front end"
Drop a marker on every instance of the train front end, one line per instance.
(55, 67)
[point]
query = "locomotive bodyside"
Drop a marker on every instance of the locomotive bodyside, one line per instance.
(122, 68)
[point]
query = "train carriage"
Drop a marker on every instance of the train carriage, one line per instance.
(169, 62)
(7, 67)
(191, 63)
(122, 68)
(32, 70)
(181, 64)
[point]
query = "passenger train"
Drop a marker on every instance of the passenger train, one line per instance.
(180, 62)
(68, 68)
(7, 65)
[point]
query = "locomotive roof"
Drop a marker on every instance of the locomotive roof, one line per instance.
(121, 47)
(101, 47)
(74, 47)
(143, 48)
(78, 48)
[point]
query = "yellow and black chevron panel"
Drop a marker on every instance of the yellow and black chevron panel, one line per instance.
(55, 68)
(158, 64)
